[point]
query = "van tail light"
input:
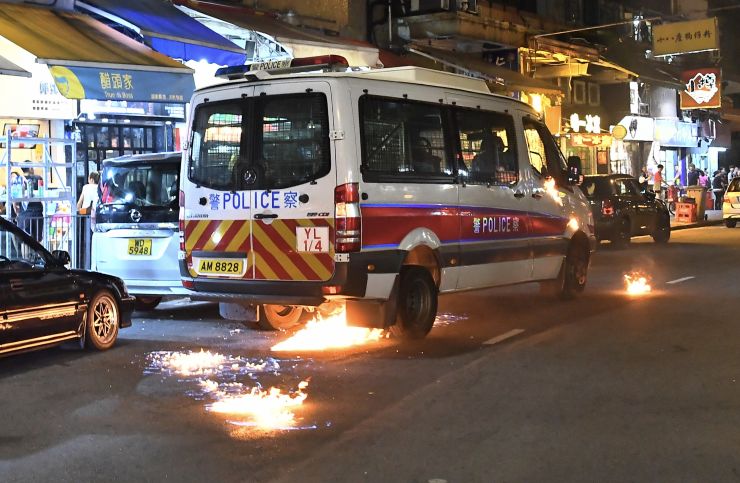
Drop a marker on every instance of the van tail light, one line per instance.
(348, 223)
(607, 208)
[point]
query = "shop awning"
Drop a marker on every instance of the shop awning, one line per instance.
(629, 56)
(92, 61)
(299, 42)
(169, 31)
(500, 78)
(9, 68)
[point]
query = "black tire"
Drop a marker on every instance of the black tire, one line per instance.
(417, 304)
(662, 232)
(279, 317)
(573, 274)
(624, 234)
(103, 319)
(145, 304)
(730, 223)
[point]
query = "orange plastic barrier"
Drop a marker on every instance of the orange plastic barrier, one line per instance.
(709, 203)
(685, 212)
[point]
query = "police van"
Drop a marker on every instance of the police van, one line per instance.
(380, 189)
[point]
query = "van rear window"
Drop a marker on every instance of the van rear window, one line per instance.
(284, 142)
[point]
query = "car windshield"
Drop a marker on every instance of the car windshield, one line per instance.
(17, 254)
(146, 184)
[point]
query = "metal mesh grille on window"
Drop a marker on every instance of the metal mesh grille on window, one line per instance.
(295, 140)
(216, 145)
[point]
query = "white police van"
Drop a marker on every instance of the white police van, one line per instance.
(381, 189)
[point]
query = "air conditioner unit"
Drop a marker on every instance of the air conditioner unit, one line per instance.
(644, 109)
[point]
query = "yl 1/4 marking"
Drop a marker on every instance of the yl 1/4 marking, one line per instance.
(312, 239)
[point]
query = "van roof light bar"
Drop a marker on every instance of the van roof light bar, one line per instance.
(262, 70)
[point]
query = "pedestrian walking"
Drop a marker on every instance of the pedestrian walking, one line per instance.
(718, 188)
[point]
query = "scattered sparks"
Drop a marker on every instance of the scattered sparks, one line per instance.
(445, 319)
(637, 285)
(328, 333)
(266, 409)
(205, 363)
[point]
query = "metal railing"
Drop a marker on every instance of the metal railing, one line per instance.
(60, 232)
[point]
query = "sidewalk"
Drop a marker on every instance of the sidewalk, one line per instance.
(714, 217)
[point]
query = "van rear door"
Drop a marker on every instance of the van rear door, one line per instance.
(293, 193)
(216, 212)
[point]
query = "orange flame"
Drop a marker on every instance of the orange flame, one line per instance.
(193, 363)
(637, 284)
(270, 409)
(328, 333)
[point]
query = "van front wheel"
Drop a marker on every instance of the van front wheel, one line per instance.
(417, 304)
(279, 317)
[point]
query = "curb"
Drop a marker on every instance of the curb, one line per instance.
(683, 226)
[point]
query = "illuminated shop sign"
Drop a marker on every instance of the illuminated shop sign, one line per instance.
(685, 37)
(590, 140)
(590, 123)
(701, 89)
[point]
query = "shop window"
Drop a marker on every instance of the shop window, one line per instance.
(579, 92)
(594, 94)
(488, 148)
(403, 139)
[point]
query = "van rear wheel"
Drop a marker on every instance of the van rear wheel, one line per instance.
(279, 317)
(417, 304)
(572, 277)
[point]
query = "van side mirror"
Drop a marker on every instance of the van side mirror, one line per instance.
(574, 170)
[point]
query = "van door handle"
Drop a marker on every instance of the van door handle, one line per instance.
(16, 284)
(518, 194)
(537, 194)
(262, 216)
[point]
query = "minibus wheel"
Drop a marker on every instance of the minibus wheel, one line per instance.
(279, 317)
(572, 277)
(417, 304)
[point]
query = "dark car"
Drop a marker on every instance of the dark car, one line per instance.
(622, 211)
(42, 303)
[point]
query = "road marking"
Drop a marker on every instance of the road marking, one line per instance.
(679, 280)
(503, 337)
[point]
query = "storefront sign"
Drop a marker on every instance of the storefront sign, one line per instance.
(701, 89)
(619, 132)
(677, 134)
(685, 37)
(34, 98)
(590, 140)
(638, 128)
(589, 124)
(122, 85)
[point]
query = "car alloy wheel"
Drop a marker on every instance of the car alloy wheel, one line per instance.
(102, 321)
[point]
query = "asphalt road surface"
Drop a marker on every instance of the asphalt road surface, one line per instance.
(509, 386)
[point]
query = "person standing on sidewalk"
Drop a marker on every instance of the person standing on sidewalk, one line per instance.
(692, 176)
(658, 182)
(718, 188)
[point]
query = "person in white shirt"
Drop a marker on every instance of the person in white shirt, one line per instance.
(89, 196)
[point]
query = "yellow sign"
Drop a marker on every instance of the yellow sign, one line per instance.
(619, 132)
(685, 37)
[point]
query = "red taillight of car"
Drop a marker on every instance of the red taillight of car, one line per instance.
(607, 208)
(726, 199)
(348, 223)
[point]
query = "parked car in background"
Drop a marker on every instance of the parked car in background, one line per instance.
(136, 225)
(622, 211)
(731, 204)
(42, 303)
